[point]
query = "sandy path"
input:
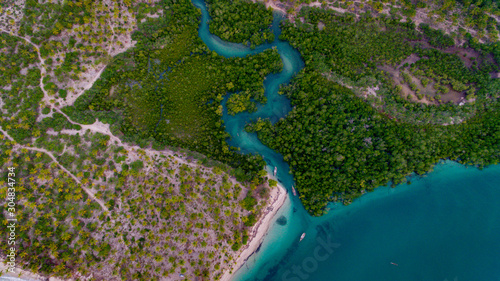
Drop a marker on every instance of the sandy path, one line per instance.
(96, 74)
(28, 275)
(271, 4)
(277, 198)
(19, 273)
(46, 97)
(99, 127)
(275, 7)
(88, 191)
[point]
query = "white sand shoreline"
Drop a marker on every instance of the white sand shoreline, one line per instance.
(277, 197)
(21, 274)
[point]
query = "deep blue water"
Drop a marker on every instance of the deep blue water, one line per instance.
(444, 226)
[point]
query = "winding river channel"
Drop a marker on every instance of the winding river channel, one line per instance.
(445, 226)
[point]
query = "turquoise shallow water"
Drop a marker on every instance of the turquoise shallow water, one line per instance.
(444, 226)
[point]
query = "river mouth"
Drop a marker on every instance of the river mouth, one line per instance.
(441, 227)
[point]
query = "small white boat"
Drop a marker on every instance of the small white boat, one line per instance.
(275, 170)
(294, 192)
(393, 263)
(302, 236)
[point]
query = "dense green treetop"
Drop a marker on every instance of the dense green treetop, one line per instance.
(338, 146)
(341, 142)
(371, 52)
(240, 21)
(169, 88)
(90, 204)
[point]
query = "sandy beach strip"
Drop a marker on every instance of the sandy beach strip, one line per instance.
(277, 198)
(21, 274)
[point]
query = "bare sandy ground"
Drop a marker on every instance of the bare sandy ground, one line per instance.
(94, 73)
(275, 7)
(277, 198)
(20, 274)
(271, 4)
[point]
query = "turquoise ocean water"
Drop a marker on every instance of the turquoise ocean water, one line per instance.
(444, 226)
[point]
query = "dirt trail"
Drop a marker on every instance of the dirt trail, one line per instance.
(88, 191)
(99, 127)
(46, 98)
